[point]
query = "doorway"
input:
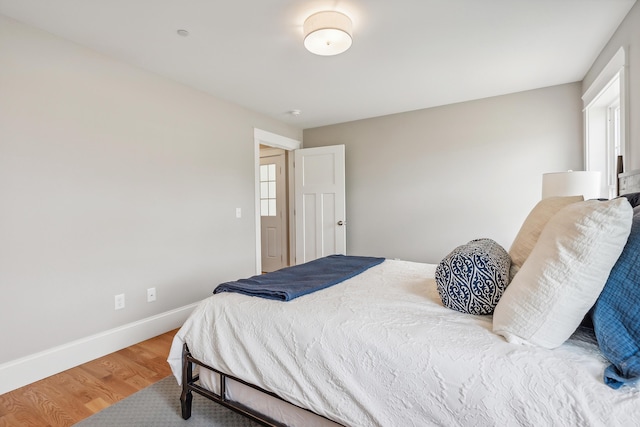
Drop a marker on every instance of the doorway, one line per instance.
(273, 209)
(318, 189)
(268, 140)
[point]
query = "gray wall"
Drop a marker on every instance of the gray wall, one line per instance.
(112, 180)
(423, 182)
(628, 36)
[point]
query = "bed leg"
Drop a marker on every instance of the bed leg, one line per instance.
(187, 377)
(185, 402)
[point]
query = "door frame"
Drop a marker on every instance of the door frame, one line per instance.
(277, 156)
(278, 141)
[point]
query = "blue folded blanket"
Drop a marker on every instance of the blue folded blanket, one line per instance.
(292, 282)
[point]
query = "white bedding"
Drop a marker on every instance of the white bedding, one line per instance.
(380, 350)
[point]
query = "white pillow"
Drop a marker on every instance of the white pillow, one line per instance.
(564, 274)
(532, 227)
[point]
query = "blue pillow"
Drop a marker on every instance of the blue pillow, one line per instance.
(616, 314)
(472, 278)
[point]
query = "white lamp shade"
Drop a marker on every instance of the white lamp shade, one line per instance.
(571, 183)
(327, 33)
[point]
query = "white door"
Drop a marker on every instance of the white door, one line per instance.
(273, 212)
(320, 202)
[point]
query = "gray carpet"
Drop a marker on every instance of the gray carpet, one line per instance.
(159, 406)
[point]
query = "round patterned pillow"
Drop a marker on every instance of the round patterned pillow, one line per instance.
(472, 278)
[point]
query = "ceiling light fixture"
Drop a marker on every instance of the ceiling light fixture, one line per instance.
(327, 33)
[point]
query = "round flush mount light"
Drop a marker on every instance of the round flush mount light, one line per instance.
(327, 33)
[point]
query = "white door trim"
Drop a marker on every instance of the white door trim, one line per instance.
(615, 64)
(273, 140)
(613, 72)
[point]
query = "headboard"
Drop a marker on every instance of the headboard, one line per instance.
(629, 182)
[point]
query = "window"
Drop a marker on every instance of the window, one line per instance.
(268, 190)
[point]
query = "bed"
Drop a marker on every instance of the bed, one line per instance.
(381, 349)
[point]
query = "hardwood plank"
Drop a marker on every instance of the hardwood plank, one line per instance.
(55, 389)
(22, 420)
(90, 388)
(97, 405)
(158, 345)
(77, 391)
(158, 364)
(20, 411)
(119, 367)
(43, 403)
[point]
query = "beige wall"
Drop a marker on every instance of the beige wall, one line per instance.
(423, 182)
(112, 180)
(628, 36)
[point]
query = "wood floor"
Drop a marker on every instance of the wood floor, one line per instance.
(70, 396)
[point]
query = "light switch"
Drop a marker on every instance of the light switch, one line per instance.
(238, 212)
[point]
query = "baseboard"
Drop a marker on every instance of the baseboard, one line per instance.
(28, 369)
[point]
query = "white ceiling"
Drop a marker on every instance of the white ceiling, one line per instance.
(406, 54)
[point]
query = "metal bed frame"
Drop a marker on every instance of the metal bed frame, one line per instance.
(190, 384)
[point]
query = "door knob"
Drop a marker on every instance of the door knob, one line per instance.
(341, 223)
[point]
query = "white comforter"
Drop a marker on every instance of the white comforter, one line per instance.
(381, 350)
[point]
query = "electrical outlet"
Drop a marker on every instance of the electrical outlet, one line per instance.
(238, 212)
(151, 294)
(119, 299)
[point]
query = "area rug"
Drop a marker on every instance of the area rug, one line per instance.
(159, 406)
